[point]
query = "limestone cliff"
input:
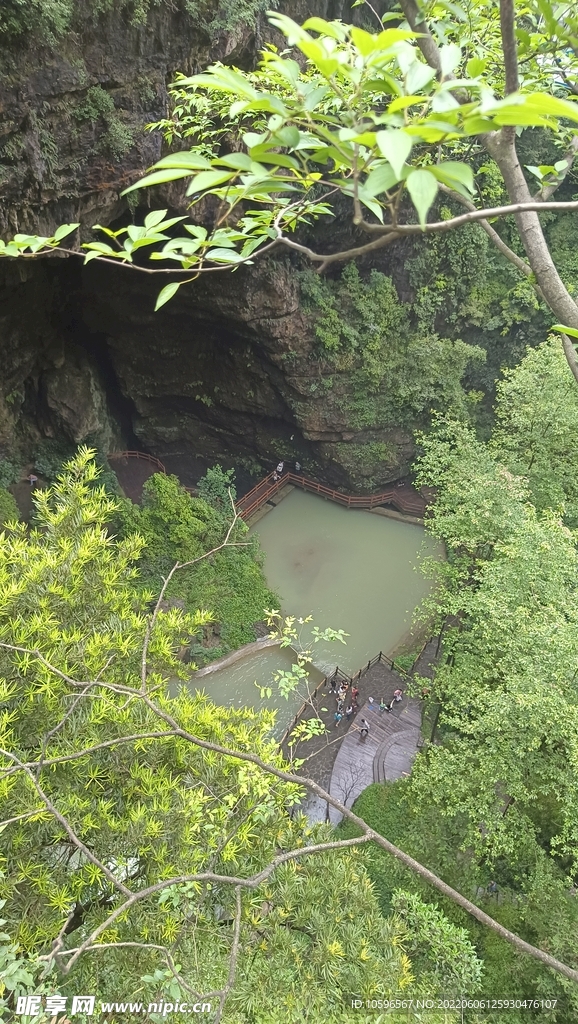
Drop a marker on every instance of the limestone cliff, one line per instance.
(228, 371)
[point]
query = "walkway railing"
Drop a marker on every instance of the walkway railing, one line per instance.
(139, 455)
(150, 459)
(269, 487)
(339, 674)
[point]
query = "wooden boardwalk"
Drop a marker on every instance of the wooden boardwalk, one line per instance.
(405, 499)
(387, 753)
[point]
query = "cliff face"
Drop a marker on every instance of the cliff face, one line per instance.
(227, 371)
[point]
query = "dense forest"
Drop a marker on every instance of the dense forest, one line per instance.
(360, 250)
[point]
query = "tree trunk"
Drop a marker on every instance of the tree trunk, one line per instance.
(555, 293)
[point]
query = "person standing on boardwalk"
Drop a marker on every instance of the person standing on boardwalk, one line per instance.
(333, 686)
(397, 695)
(355, 693)
(280, 468)
(382, 705)
(339, 704)
(297, 467)
(364, 727)
(337, 716)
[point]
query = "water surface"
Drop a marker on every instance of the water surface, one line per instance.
(350, 569)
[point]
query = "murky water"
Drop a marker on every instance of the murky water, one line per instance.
(351, 570)
(235, 685)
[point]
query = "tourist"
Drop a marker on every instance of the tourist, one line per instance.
(339, 704)
(371, 702)
(382, 705)
(355, 693)
(364, 727)
(397, 695)
(333, 686)
(275, 476)
(32, 479)
(297, 467)
(280, 468)
(337, 716)
(349, 712)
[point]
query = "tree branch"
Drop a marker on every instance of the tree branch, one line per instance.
(533, 205)
(69, 831)
(499, 243)
(549, 190)
(509, 47)
(347, 254)
(367, 834)
(425, 40)
(252, 882)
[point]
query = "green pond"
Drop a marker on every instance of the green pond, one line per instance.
(350, 570)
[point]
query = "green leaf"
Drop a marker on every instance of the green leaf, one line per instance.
(380, 180)
(390, 36)
(450, 57)
(167, 293)
(189, 160)
(422, 187)
(154, 218)
(570, 331)
(401, 102)
(239, 161)
(288, 136)
(325, 28)
(207, 179)
(450, 171)
(158, 178)
(396, 146)
(475, 66)
(418, 76)
(364, 41)
(64, 230)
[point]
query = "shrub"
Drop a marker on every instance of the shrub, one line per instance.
(8, 472)
(8, 507)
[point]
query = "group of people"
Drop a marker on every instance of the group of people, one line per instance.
(353, 706)
(278, 472)
(341, 698)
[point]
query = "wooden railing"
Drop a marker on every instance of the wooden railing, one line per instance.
(152, 460)
(139, 455)
(269, 487)
(350, 680)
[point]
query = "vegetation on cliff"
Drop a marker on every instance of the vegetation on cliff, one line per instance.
(51, 19)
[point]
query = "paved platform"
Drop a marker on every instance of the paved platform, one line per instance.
(385, 754)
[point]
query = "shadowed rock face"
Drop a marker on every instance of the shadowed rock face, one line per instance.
(228, 370)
